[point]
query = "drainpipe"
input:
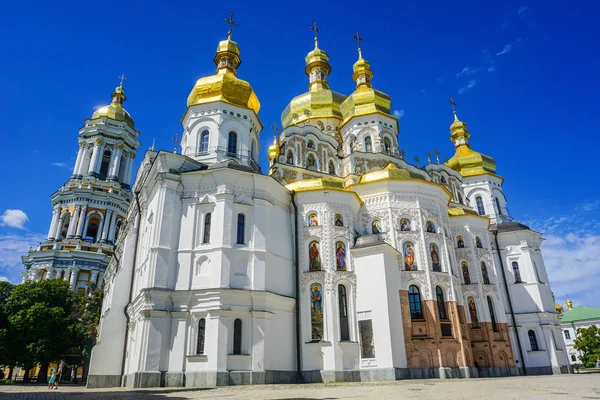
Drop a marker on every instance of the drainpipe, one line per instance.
(296, 272)
(510, 306)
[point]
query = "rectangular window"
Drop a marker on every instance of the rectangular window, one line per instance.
(367, 345)
(446, 330)
(567, 334)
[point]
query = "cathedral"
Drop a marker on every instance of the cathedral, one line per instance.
(343, 263)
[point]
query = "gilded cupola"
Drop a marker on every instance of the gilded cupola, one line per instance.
(319, 103)
(466, 161)
(224, 85)
(364, 100)
(115, 109)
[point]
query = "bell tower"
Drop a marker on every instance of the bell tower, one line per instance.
(89, 210)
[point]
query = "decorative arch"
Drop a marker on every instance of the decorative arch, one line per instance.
(425, 359)
(91, 229)
(478, 242)
(481, 360)
(451, 359)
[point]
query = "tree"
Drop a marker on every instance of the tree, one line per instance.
(42, 318)
(7, 353)
(588, 342)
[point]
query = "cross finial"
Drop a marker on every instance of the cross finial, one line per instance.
(316, 31)
(359, 40)
(437, 155)
(176, 140)
(417, 160)
(428, 154)
(231, 23)
(122, 78)
(275, 128)
(152, 148)
(451, 101)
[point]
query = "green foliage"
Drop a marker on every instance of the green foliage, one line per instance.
(588, 342)
(88, 306)
(7, 354)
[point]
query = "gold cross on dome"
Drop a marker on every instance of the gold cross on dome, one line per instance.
(275, 128)
(176, 140)
(359, 40)
(122, 78)
(451, 101)
(315, 30)
(231, 23)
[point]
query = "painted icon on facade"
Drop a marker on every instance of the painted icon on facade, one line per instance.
(465, 272)
(473, 312)
(339, 220)
(376, 226)
(340, 256)
(316, 311)
(430, 227)
(405, 225)
(313, 220)
(484, 273)
(290, 157)
(311, 161)
(410, 262)
(435, 258)
(314, 257)
(460, 243)
(478, 242)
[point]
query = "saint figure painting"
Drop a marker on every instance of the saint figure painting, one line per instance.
(410, 263)
(340, 256)
(314, 257)
(405, 224)
(435, 258)
(316, 311)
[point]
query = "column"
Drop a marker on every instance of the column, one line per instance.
(78, 162)
(123, 176)
(96, 158)
(107, 221)
(73, 222)
(74, 272)
(81, 222)
(59, 227)
(115, 163)
(85, 161)
(113, 227)
(67, 274)
(100, 227)
(55, 216)
(93, 278)
(100, 278)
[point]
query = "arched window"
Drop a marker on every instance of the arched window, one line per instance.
(480, 208)
(573, 358)
(443, 180)
(232, 145)
(368, 145)
(533, 340)
(343, 306)
(316, 312)
(104, 165)
(290, 157)
(206, 238)
(414, 301)
(515, 267)
(441, 305)
(492, 314)
(237, 336)
(465, 272)
(498, 205)
(65, 226)
(204, 142)
(331, 168)
(387, 146)
(201, 335)
(484, 273)
(92, 230)
(241, 228)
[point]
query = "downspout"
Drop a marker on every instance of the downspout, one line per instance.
(137, 236)
(297, 305)
(510, 306)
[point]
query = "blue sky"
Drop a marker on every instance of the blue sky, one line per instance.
(524, 75)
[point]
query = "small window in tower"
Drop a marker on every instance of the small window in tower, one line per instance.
(105, 165)
(368, 145)
(92, 230)
(241, 227)
(331, 168)
(498, 205)
(515, 267)
(480, 208)
(206, 238)
(204, 142)
(232, 145)
(387, 146)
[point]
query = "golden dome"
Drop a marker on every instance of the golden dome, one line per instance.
(391, 171)
(273, 151)
(559, 309)
(365, 100)
(224, 85)
(466, 161)
(569, 304)
(459, 210)
(115, 109)
(319, 102)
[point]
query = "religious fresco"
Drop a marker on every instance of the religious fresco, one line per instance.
(405, 225)
(316, 311)
(311, 161)
(484, 272)
(473, 312)
(367, 346)
(430, 227)
(435, 258)
(314, 257)
(460, 242)
(339, 220)
(410, 261)
(290, 157)
(376, 226)
(340, 256)
(465, 272)
(478, 242)
(331, 168)
(313, 220)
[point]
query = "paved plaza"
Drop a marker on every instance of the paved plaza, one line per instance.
(577, 386)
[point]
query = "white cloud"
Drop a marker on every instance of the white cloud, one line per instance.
(59, 164)
(592, 206)
(507, 48)
(398, 113)
(4, 279)
(491, 68)
(14, 219)
(471, 84)
(467, 71)
(12, 247)
(523, 11)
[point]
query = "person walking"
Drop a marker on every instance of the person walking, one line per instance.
(58, 375)
(52, 378)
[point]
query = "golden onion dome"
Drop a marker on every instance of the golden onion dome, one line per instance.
(569, 304)
(466, 161)
(365, 100)
(273, 151)
(391, 171)
(319, 103)
(115, 109)
(224, 85)
(559, 309)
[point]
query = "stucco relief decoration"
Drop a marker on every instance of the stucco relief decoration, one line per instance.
(312, 276)
(410, 277)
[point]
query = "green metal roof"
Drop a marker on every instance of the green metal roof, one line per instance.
(581, 313)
